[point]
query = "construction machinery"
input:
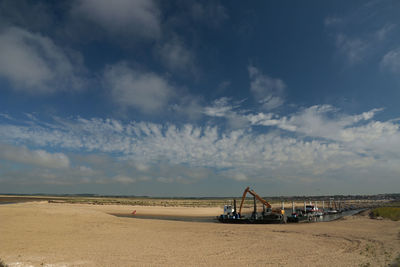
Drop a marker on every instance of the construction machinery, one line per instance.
(268, 215)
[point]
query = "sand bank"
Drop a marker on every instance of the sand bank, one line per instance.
(55, 234)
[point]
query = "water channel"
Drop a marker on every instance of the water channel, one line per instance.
(325, 218)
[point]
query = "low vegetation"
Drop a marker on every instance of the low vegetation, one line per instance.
(136, 201)
(145, 201)
(173, 202)
(396, 262)
(392, 213)
(2, 264)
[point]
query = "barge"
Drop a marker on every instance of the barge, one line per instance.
(267, 216)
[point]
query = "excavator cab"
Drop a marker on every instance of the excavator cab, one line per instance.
(228, 210)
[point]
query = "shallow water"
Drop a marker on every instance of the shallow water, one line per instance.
(3, 203)
(167, 217)
(332, 217)
(325, 218)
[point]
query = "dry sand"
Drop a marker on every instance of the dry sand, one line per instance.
(52, 234)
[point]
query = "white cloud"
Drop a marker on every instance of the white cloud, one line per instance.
(324, 122)
(128, 17)
(391, 60)
(271, 119)
(266, 90)
(145, 91)
(141, 166)
(220, 108)
(176, 56)
(320, 121)
(34, 63)
(188, 106)
(33, 157)
(86, 170)
(6, 116)
(223, 108)
(318, 142)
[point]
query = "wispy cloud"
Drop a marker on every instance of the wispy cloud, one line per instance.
(354, 49)
(332, 21)
(391, 61)
(225, 108)
(212, 13)
(176, 56)
(220, 108)
(269, 92)
(364, 33)
(316, 142)
(384, 32)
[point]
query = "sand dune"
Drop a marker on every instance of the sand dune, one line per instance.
(52, 234)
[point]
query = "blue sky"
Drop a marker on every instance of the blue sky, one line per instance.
(199, 98)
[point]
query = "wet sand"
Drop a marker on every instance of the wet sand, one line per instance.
(54, 234)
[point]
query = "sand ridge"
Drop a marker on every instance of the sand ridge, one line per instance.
(53, 234)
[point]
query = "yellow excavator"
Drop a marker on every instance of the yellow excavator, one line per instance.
(268, 214)
(263, 201)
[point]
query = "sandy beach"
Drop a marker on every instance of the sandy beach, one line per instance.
(55, 234)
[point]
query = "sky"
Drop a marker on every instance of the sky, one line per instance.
(199, 98)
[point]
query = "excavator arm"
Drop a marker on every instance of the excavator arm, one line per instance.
(243, 197)
(260, 199)
(248, 190)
